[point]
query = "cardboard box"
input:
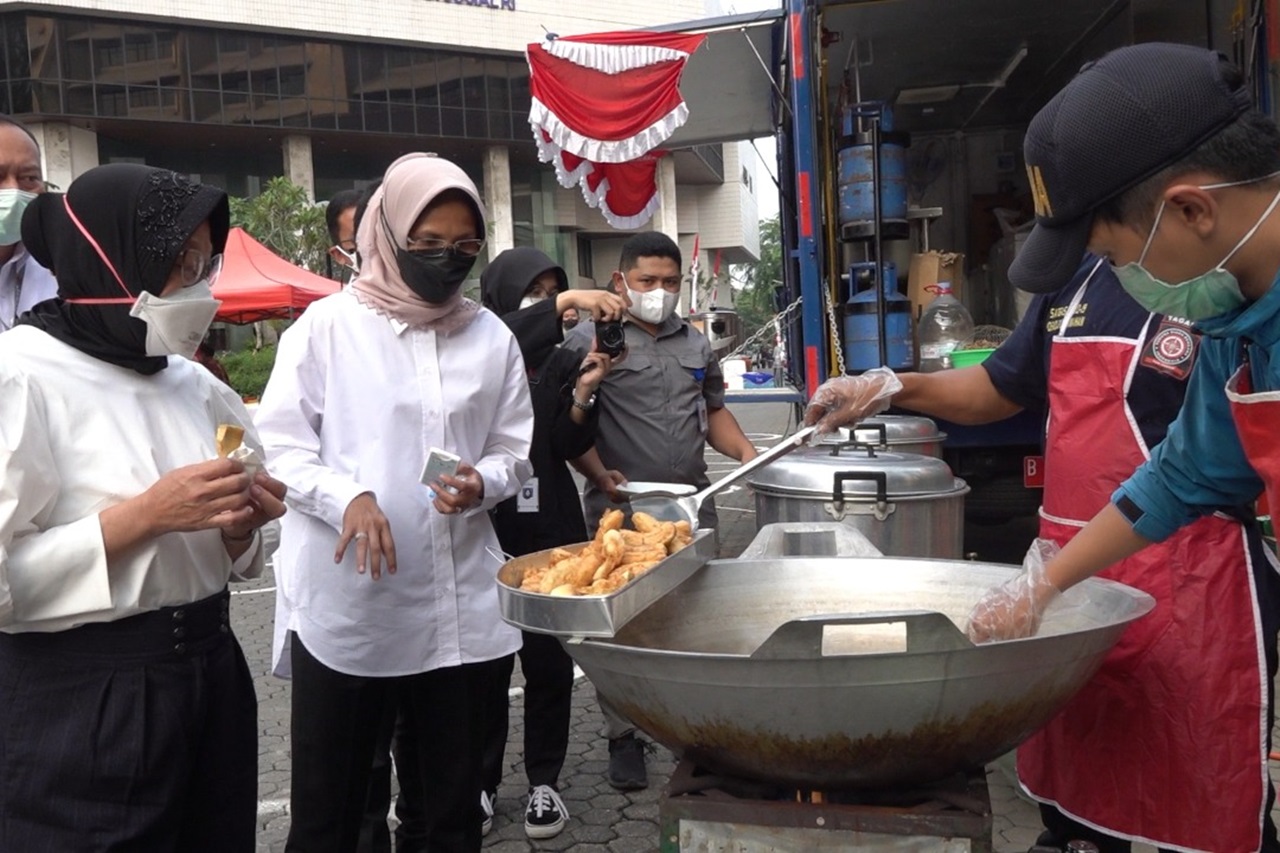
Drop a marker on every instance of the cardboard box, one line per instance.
(929, 268)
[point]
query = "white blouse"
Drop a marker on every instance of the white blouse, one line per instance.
(78, 435)
(353, 405)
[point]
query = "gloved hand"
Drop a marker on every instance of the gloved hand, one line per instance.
(1013, 610)
(845, 400)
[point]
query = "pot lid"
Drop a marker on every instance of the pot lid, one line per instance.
(897, 429)
(813, 471)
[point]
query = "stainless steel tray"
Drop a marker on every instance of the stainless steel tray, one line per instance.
(595, 615)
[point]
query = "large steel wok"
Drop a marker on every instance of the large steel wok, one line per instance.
(734, 669)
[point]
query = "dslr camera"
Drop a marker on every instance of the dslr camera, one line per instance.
(611, 339)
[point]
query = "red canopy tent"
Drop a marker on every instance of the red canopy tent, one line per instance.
(257, 284)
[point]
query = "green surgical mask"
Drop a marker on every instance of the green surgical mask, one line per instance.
(13, 203)
(1207, 295)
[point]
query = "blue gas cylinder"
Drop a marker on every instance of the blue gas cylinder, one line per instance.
(857, 189)
(862, 326)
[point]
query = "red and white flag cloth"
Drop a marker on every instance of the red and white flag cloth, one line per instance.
(601, 107)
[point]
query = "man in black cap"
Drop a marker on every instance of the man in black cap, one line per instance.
(1154, 158)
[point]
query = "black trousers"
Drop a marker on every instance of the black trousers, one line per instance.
(548, 702)
(134, 736)
(394, 737)
(335, 723)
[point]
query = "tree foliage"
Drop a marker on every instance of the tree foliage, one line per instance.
(755, 300)
(284, 220)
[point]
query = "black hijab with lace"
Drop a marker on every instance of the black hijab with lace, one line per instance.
(140, 217)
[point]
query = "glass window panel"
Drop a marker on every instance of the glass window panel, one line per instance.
(428, 120)
(401, 118)
(79, 100)
(112, 101)
(201, 50)
(41, 46)
(449, 80)
(76, 50)
(106, 42)
(499, 125)
(374, 84)
(452, 122)
(499, 90)
(46, 97)
(376, 118)
(520, 98)
(206, 106)
(473, 89)
(350, 115)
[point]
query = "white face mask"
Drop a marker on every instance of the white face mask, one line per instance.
(530, 301)
(13, 203)
(176, 324)
(653, 306)
(353, 260)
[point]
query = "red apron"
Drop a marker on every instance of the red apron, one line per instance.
(1257, 418)
(1165, 744)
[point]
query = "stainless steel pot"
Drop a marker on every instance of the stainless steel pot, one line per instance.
(907, 505)
(847, 672)
(722, 327)
(899, 433)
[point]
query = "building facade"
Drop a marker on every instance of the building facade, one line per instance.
(328, 93)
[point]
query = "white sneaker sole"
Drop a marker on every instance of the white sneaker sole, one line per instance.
(551, 830)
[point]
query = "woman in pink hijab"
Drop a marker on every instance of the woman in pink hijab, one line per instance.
(385, 592)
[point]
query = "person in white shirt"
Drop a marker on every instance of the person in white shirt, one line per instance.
(129, 719)
(386, 590)
(23, 282)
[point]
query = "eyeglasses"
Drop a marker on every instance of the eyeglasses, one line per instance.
(430, 247)
(196, 266)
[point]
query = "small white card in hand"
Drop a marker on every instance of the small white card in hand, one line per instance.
(527, 499)
(439, 462)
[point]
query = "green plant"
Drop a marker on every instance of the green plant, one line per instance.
(754, 300)
(248, 370)
(288, 223)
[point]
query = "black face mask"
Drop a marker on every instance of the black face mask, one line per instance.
(434, 279)
(569, 324)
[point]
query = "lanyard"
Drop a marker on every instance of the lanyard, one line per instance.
(18, 271)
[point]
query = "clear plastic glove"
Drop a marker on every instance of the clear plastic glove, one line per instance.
(845, 400)
(1013, 610)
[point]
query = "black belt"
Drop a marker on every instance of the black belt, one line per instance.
(170, 632)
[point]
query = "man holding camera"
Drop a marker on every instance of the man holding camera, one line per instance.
(659, 407)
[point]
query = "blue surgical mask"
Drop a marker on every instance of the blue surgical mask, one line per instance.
(1207, 295)
(13, 203)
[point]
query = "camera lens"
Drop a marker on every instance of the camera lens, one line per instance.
(611, 338)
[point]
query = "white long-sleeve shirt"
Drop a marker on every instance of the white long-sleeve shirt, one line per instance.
(23, 283)
(78, 435)
(354, 403)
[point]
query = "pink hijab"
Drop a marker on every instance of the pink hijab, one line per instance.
(408, 187)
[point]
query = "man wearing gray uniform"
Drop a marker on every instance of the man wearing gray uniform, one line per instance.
(659, 407)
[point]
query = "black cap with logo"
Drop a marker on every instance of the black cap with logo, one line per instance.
(1121, 120)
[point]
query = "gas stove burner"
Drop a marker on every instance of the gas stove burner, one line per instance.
(701, 810)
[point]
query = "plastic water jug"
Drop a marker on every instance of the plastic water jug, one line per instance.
(945, 325)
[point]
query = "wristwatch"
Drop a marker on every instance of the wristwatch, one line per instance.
(587, 406)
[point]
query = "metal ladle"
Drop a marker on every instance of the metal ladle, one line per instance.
(668, 505)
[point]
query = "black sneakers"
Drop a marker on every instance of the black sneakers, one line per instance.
(626, 764)
(546, 814)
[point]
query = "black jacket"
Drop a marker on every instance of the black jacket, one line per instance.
(552, 372)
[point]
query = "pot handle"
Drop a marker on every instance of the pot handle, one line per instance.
(883, 443)
(801, 639)
(878, 477)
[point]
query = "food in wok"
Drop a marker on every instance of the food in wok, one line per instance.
(610, 561)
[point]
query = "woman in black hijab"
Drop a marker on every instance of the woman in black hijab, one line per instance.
(129, 718)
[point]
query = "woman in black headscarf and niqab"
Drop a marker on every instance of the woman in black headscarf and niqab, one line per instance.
(129, 719)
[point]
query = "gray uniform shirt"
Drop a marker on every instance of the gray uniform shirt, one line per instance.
(653, 409)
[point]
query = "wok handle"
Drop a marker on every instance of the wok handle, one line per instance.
(801, 639)
(878, 477)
